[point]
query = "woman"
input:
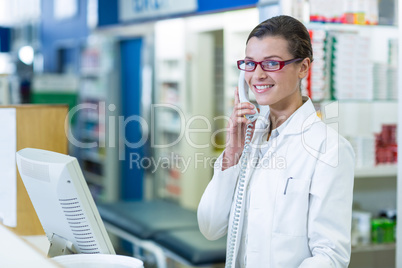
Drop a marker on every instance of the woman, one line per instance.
(297, 204)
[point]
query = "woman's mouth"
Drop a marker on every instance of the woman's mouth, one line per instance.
(263, 88)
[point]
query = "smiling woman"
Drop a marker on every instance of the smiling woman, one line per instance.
(297, 214)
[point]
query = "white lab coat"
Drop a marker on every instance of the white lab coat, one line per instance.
(309, 226)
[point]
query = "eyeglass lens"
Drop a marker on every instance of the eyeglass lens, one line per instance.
(269, 65)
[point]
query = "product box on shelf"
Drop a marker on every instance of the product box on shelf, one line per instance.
(385, 145)
(364, 12)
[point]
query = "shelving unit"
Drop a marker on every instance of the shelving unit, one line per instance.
(170, 82)
(375, 186)
(98, 99)
(195, 78)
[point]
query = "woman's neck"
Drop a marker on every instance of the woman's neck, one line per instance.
(281, 111)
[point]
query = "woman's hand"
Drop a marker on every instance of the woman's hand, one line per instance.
(236, 132)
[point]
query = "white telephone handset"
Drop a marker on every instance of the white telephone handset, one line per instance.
(243, 95)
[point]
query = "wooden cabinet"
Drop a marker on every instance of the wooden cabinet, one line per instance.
(42, 127)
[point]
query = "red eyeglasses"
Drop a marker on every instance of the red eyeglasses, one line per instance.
(266, 65)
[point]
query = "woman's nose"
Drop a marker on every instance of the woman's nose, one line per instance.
(259, 73)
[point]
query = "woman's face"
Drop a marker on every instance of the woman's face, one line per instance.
(278, 88)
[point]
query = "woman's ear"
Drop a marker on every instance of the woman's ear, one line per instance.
(304, 67)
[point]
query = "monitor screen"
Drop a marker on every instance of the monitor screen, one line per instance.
(63, 202)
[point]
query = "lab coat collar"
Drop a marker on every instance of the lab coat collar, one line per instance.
(301, 120)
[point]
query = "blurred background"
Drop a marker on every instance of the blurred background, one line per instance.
(150, 85)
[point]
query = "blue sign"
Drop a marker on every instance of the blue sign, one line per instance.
(115, 12)
(214, 5)
(143, 9)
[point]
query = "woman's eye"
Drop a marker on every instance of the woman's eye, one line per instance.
(271, 64)
(250, 64)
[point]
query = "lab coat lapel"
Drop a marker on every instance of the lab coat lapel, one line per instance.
(261, 127)
(303, 118)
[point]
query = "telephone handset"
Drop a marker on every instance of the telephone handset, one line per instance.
(243, 96)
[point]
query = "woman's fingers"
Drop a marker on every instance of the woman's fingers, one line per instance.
(236, 96)
(243, 109)
(238, 118)
(242, 120)
(244, 105)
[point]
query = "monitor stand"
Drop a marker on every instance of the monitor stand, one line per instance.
(60, 246)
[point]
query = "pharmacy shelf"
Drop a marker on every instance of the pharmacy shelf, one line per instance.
(98, 76)
(379, 171)
(374, 247)
(349, 27)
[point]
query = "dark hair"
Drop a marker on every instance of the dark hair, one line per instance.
(291, 30)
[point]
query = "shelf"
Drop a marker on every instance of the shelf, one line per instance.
(379, 171)
(374, 247)
(351, 27)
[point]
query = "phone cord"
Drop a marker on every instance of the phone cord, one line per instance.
(238, 200)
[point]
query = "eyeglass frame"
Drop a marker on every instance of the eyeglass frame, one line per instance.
(281, 64)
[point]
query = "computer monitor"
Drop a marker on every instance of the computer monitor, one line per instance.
(63, 203)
